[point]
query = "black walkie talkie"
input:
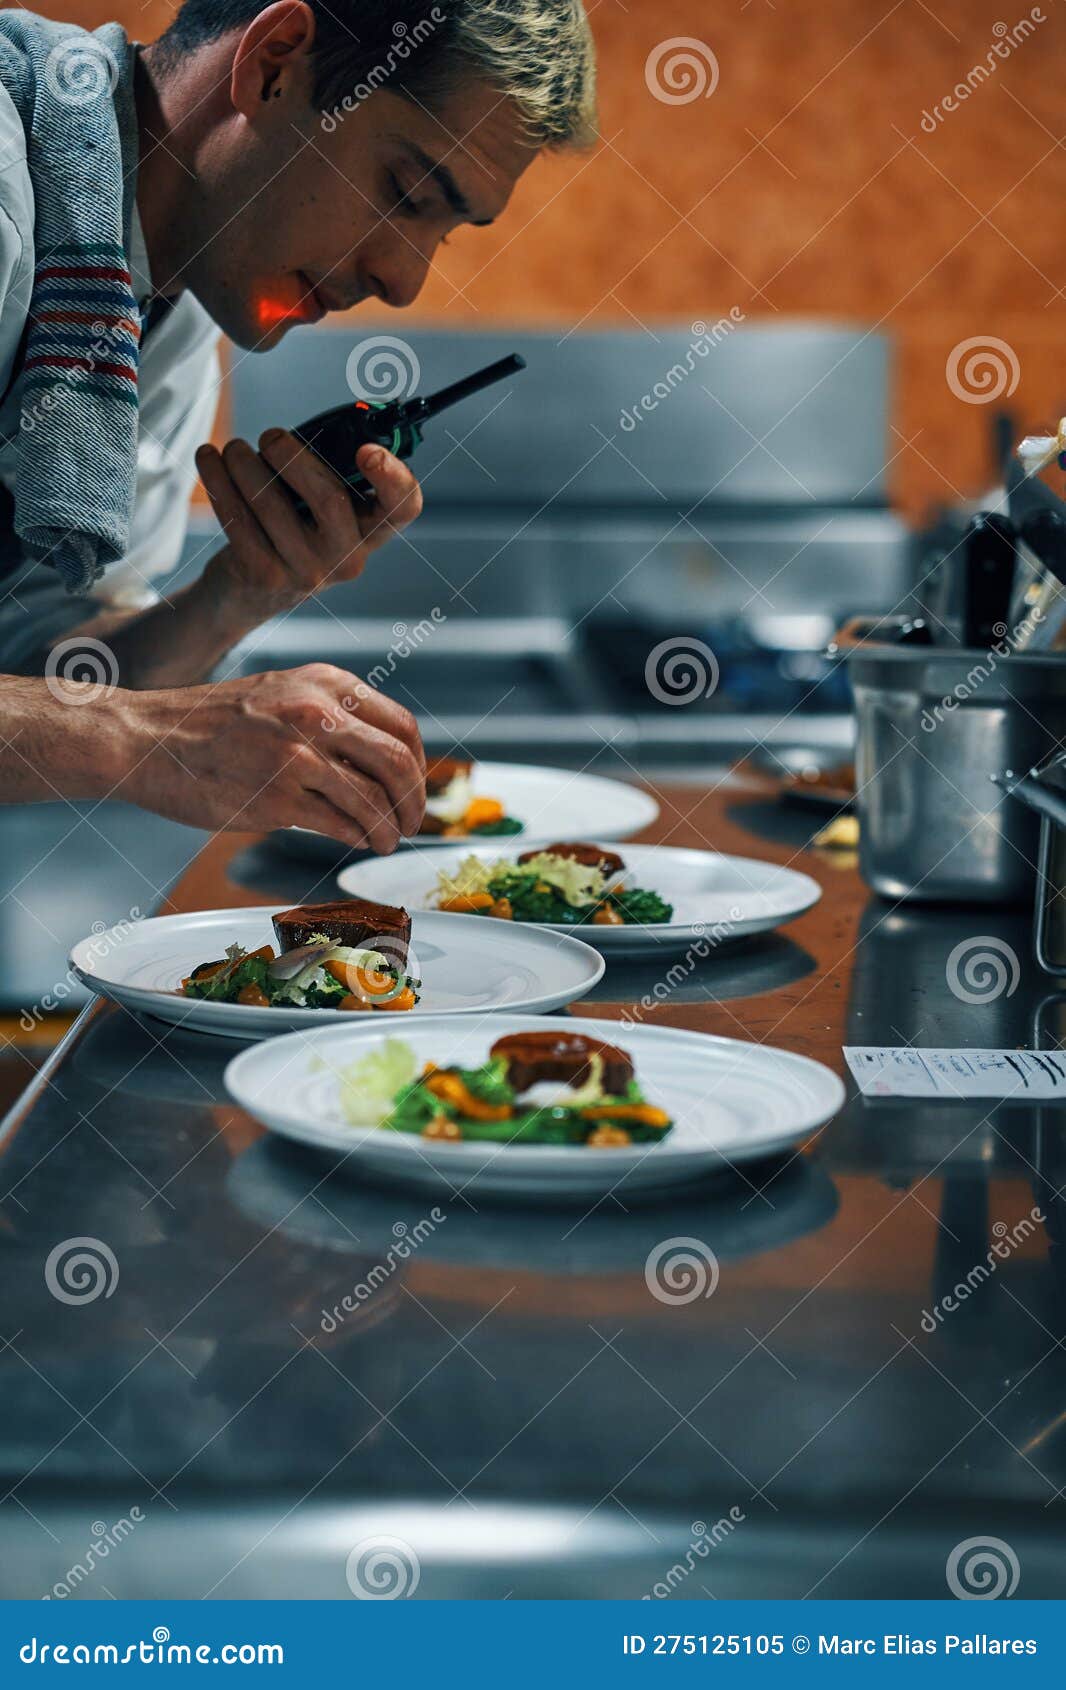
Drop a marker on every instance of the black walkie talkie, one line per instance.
(337, 435)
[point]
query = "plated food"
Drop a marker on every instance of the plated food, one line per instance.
(348, 956)
(639, 900)
(444, 960)
(727, 1101)
(452, 809)
(544, 1087)
(563, 884)
(539, 802)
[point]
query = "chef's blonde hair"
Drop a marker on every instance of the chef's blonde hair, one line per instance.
(538, 53)
(541, 54)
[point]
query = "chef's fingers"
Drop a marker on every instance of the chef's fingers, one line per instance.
(397, 495)
(324, 493)
(358, 698)
(262, 488)
(318, 813)
(365, 800)
(241, 528)
(388, 762)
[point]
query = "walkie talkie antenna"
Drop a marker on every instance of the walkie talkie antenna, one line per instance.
(420, 409)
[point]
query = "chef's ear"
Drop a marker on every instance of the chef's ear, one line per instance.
(272, 60)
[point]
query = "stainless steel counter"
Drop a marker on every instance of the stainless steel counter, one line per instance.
(512, 1402)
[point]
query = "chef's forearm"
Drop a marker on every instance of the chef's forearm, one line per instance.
(60, 740)
(181, 640)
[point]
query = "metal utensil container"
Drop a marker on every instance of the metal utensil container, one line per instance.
(933, 725)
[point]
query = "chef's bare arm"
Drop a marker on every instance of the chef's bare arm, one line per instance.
(313, 745)
(273, 558)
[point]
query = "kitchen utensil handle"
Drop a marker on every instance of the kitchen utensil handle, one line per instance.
(1046, 896)
(1034, 795)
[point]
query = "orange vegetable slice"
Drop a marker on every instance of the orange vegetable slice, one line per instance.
(403, 1000)
(468, 903)
(364, 982)
(451, 1089)
(607, 916)
(481, 811)
(642, 1112)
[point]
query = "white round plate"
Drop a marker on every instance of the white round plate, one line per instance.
(730, 1102)
(463, 970)
(715, 898)
(550, 803)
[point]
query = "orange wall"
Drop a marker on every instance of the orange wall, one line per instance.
(804, 185)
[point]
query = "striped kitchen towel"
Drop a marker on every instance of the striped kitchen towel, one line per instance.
(78, 399)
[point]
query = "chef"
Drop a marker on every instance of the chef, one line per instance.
(256, 168)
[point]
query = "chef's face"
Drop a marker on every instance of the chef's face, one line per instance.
(316, 212)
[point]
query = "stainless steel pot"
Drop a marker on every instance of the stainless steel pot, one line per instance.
(933, 725)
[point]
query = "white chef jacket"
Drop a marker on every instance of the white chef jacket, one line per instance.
(179, 383)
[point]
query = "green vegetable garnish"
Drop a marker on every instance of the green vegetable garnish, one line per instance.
(497, 830)
(552, 889)
(224, 980)
(415, 1106)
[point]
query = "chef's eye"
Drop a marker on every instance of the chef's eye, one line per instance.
(400, 199)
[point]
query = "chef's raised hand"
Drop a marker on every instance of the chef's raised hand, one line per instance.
(314, 746)
(274, 554)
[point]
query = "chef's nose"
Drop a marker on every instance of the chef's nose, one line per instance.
(398, 278)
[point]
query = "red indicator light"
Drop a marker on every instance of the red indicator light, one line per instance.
(272, 312)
